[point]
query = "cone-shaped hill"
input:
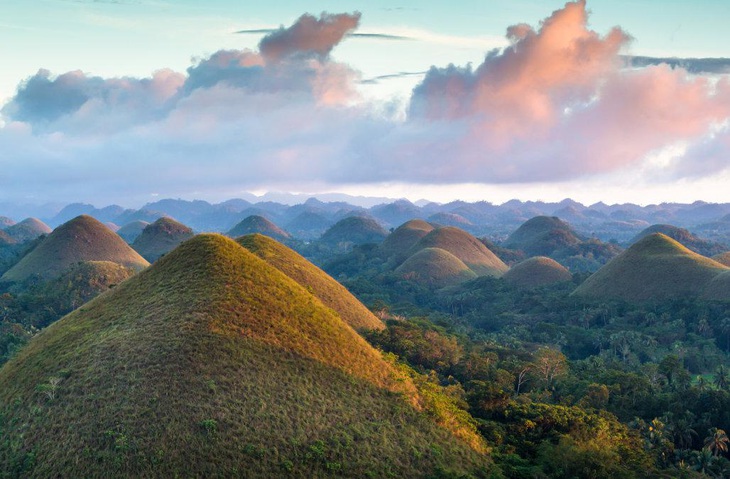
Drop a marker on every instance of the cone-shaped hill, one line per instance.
(354, 230)
(213, 363)
(258, 224)
(435, 267)
(403, 238)
(319, 283)
(80, 239)
(27, 230)
(5, 239)
(719, 288)
(537, 271)
(542, 235)
(131, 231)
(5, 222)
(656, 267)
(687, 239)
(465, 247)
(160, 238)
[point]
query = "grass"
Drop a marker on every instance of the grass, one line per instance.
(258, 224)
(723, 258)
(465, 247)
(80, 239)
(131, 231)
(537, 271)
(403, 238)
(27, 230)
(355, 230)
(435, 267)
(160, 238)
(212, 363)
(542, 235)
(316, 281)
(656, 267)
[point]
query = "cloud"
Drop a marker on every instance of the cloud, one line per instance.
(718, 66)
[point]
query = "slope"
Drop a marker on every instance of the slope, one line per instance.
(403, 238)
(81, 239)
(656, 267)
(537, 271)
(465, 247)
(542, 235)
(212, 363)
(690, 241)
(354, 230)
(27, 230)
(319, 283)
(258, 224)
(131, 231)
(435, 267)
(160, 238)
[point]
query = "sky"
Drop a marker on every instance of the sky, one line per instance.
(128, 101)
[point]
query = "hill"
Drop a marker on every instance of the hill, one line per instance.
(308, 225)
(449, 219)
(656, 267)
(723, 258)
(81, 239)
(5, 239)
(692, 242)
(465, 247)
(212, 363)
(161, 237)
(5, 222)
(436, 268)
(27, 230)
(403, 238)
(319, 283)
(542, 235)
(537, 271)
(258, 224)
(130, 231)
(354, 230)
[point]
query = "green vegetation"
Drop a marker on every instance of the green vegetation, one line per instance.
(81, 239)
(537, 271)
(130, 231)
(354, 230)
(657, 267)
(258, 224)
(723, 258)
(214, 363)
(161, 237)
(435, 267)
(542, 235)
(403, 238)
(683, 236)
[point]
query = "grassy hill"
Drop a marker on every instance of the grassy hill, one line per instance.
(258, 224)
(435, 267)
(160, 238)
(465, 247)
(130, 231)
(656, 267)
(319, 283)
(27, 230)
(354, 230)
(723, 258)
(5, 239)
(690, 241)
(5, 222)
(537, 271)
(542, 235)
(80, 239)
(403, 238)
(212, 363)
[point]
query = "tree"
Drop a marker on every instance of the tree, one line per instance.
(549, 364)
(716, 441)
(721, 378)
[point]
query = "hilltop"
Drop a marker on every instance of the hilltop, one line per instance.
(80, 239)
(682, 235)
(258, 224)
(542, 236)
(161, 237)
(27, 230)
(403, 238)
(656, 267)
(319, 283)
(354, 230)
(213, 363)
(130, 231)
(435, 267)
(465, 247)
(537, 271)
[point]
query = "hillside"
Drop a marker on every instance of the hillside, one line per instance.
(258, 224)
(435, 267)
(161, 237)
(690, 241)
(723, 258)
(537, 271)
(656, 267)
(403, 238)
(27, 230)
(5, 222)
(542, 235)
(354, 230)
(319, 283)
(81, 239)
(130, 231)
(465, 247)
(213, 363)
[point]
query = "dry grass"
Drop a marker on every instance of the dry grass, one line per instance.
(27, 230)
(436, 268)
(258, 224)
(161, 237)
(536, 272)
(403, 238)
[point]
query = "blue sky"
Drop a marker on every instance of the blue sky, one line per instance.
(136, 38)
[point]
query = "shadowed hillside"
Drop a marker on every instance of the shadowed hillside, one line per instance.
(160, 238)
(542, 235)
(354, 230)
(690, 241)
(81, 239)
(656, 267)
(537, 271)
(435, 267)
(319, 283)
(27, 230)
(403, 238)
(465, 247)
(213, 363)
(258, 224)
(131, 231)
(723, 258)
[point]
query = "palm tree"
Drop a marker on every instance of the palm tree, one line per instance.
(703, 460)
(721, 378)
(717, 441)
